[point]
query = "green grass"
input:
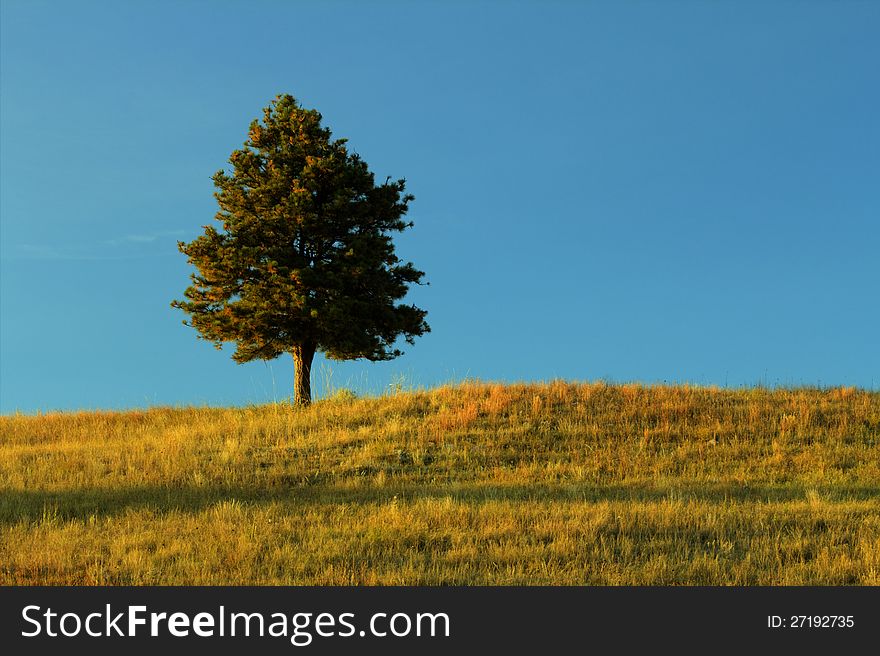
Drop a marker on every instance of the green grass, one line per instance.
(469, 484)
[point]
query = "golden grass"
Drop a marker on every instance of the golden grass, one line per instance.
(558, 483)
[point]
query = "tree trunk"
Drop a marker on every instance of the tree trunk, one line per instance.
(303, 354)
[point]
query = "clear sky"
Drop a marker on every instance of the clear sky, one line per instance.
(633, 191)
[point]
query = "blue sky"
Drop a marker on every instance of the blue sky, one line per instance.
(680, 192)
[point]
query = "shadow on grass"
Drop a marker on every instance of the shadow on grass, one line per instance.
(35, 505)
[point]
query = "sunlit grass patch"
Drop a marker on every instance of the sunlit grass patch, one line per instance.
(476, 483)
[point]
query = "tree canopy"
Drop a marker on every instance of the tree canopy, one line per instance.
(303, 258)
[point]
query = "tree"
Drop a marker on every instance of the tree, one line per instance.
(304, 261)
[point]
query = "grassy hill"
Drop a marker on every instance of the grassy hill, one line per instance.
(470, 484)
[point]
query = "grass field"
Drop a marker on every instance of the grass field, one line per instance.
(469, 484)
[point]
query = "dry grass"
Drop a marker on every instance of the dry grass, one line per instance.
(470, 484)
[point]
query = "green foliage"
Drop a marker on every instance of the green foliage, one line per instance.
(304, 258)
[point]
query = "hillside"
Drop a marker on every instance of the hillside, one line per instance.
(470, 484)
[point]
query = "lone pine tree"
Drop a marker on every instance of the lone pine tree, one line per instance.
(304, 261)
